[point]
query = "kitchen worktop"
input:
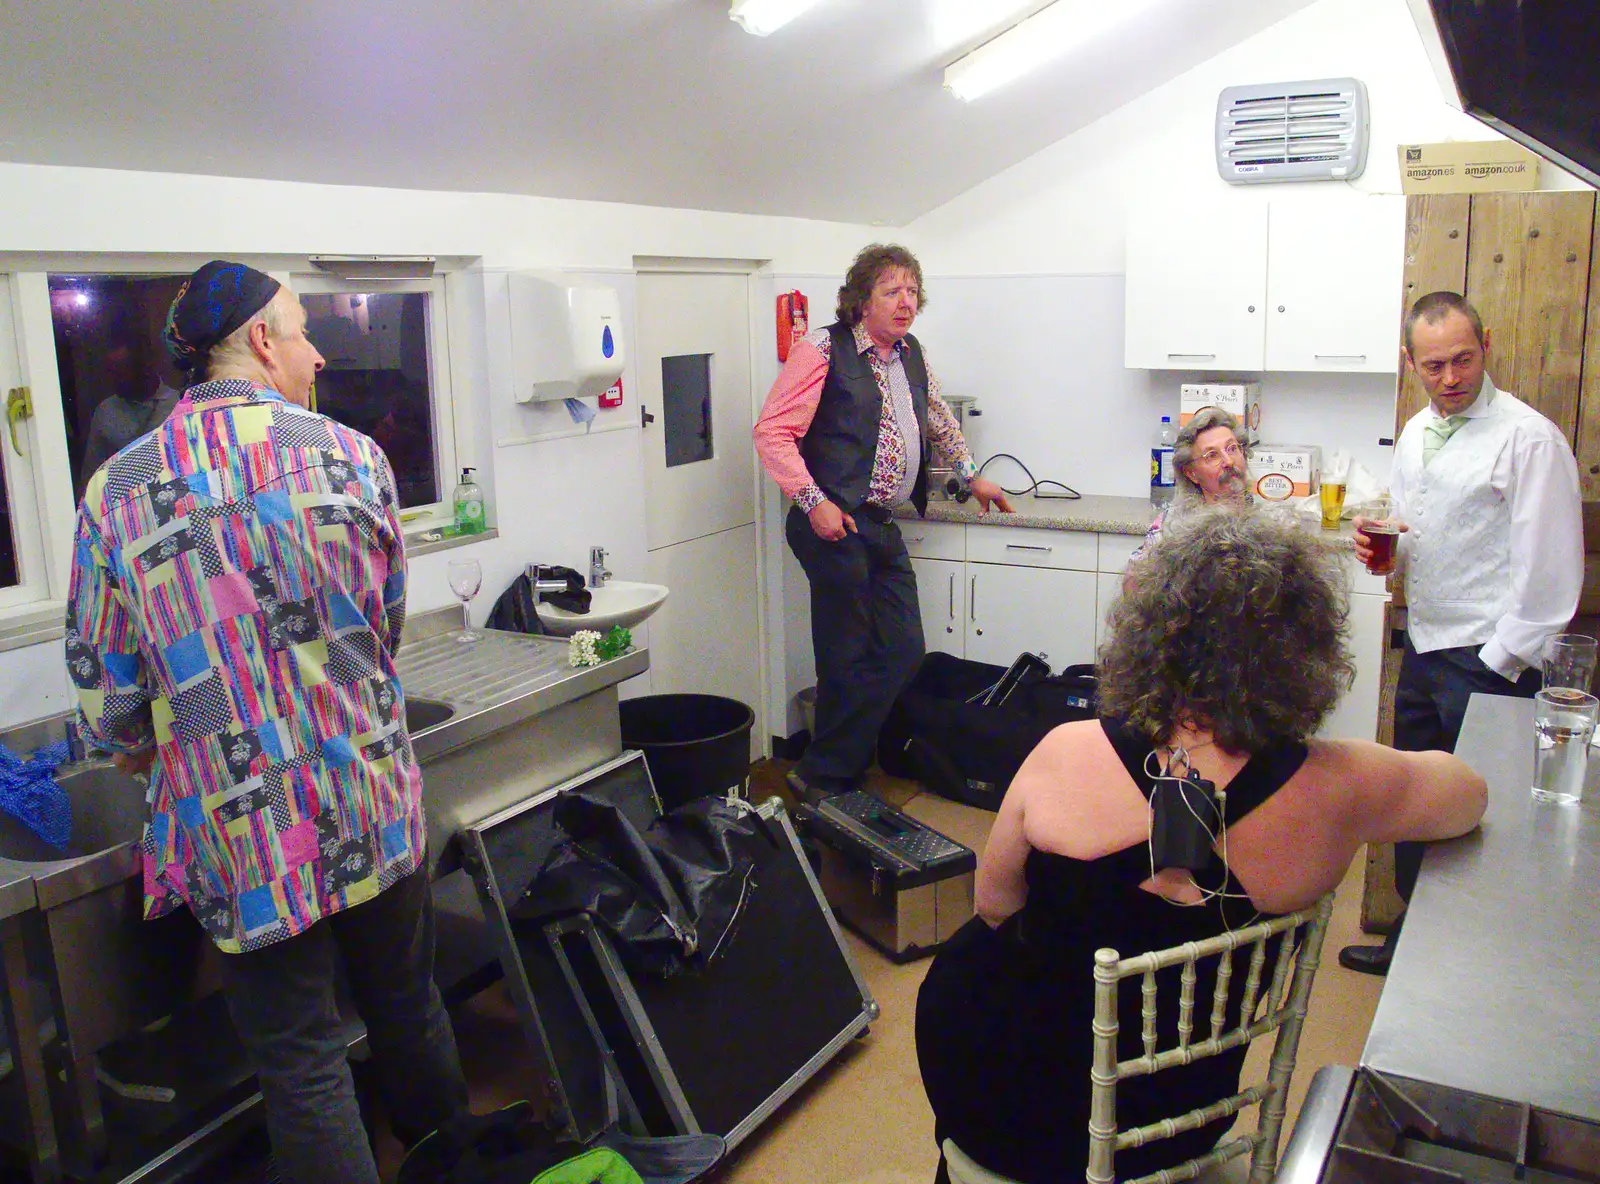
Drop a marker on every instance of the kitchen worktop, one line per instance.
(1093, 513)
(1492, 986)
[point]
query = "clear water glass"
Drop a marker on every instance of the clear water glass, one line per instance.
(466, 577)
(1563, 722)
(1569, 661)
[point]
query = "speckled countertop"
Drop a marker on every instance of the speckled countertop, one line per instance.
(1096, 513)
(1092, 512)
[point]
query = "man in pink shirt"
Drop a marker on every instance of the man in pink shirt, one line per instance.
(847, 432)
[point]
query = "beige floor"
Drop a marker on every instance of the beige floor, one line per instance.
(864, 1119)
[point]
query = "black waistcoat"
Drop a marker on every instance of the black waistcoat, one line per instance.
(842, 442)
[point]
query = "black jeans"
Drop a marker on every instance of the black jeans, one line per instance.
(281, 998)
(1428, 708)
(866, 632)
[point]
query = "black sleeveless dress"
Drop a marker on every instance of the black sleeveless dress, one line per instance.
(1003, 1017)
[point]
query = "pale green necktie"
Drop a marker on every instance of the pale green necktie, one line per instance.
(1437, 432)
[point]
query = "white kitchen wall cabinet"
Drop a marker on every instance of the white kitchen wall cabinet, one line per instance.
(1287, 285)
(1197, 287)
(1048, 611)
(942, 596)
(1334, 279)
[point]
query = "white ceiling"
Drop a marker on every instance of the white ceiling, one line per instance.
(840, 115)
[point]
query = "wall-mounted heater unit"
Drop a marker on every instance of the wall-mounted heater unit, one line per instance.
(1294, 131)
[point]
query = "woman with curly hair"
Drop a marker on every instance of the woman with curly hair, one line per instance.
(1226, 653)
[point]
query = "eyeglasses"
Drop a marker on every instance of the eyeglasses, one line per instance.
(1214, 456)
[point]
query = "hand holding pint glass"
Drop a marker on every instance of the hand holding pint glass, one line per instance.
(1377, 532)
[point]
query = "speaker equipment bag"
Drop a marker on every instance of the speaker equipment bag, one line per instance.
(967, 752)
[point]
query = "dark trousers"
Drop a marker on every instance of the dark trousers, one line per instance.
(866, 632)
(1428, 708)
(281, 998)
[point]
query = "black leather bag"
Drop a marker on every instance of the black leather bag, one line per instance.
(669, 896)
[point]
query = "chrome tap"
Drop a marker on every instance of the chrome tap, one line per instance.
(541, 586)
(598, 575)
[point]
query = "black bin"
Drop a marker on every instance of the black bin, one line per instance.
(695, 745)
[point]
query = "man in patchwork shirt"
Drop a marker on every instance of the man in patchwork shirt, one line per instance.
(238, 591)
(847, 432)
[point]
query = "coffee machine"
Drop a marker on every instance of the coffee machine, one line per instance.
(943, 484)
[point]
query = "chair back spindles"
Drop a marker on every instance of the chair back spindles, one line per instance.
(1288, 995)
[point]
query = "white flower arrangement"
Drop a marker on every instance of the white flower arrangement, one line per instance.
(581, 648)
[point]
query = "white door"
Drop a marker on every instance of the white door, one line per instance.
(700, 505)
(942, 596)
(1334, 277)
(1197, 280)
(1047, 611)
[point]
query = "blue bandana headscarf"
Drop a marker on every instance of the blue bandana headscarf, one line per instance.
(212, 303)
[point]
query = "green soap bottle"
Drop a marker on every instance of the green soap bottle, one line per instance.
(469, 505)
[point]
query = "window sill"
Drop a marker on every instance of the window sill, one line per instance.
(32, 624)
(426, 542)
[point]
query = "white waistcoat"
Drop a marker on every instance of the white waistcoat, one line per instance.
(1458, 565)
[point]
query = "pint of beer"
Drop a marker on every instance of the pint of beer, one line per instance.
(1332, 503)
(1382, 531)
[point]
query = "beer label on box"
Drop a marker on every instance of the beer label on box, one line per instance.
(1278, 474)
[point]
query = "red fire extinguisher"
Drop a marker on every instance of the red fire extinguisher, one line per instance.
(793, 321)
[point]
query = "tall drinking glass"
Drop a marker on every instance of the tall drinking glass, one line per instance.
(1563, 722)
(466, 577)
(1382, 531)
(1569, 661)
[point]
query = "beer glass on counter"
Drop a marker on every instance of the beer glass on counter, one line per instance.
(1563, 722)
(1332, 503)
(1382, 531)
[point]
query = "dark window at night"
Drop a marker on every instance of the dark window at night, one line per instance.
(116, 382)
(377, 378)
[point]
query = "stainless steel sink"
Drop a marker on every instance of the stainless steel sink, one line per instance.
(422, 714)
(108, 809)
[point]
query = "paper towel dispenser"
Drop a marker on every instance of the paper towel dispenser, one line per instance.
(566, 338)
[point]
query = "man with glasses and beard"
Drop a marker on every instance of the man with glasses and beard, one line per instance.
(1209, 458)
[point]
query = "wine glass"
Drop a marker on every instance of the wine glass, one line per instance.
(466, 577)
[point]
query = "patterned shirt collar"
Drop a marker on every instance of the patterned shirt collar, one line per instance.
(227, 392)
(864, 341)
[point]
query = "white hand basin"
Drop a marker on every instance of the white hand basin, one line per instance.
(618, 602)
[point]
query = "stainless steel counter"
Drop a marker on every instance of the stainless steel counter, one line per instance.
(1495, 985)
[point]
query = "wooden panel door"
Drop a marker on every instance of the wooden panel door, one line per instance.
(1436, 260)
(1528, 275)
(1588, 448)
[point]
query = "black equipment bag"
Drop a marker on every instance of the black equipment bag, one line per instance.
(941, 732)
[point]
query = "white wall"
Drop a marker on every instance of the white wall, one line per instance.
(552, 499)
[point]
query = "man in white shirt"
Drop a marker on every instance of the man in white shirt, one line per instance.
(1486, 490)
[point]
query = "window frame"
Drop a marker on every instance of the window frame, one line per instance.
(441, 512)
(43, 504)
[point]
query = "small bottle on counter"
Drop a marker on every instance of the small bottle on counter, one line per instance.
(469, 505)
(1163, 477)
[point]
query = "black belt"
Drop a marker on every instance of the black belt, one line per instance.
(882, 515)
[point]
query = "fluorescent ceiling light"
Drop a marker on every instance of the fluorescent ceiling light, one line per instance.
(1047, 34)
(762, 16)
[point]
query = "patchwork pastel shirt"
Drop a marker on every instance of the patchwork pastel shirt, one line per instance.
(238, 591)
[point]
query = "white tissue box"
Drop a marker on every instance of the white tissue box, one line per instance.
(1240, 399)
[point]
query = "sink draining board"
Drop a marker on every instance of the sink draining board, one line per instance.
(493, 669)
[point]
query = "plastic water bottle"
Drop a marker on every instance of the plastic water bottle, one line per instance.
(1163, 477)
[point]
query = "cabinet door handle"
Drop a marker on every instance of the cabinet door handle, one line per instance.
(914, 538)
(972, 599)
(952, 596)
(1197, 357)
(1340, 357)
(1028, 547)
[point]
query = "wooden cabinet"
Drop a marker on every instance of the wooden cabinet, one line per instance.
(1197, 287)
(1243, 284)
(1333, 277)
